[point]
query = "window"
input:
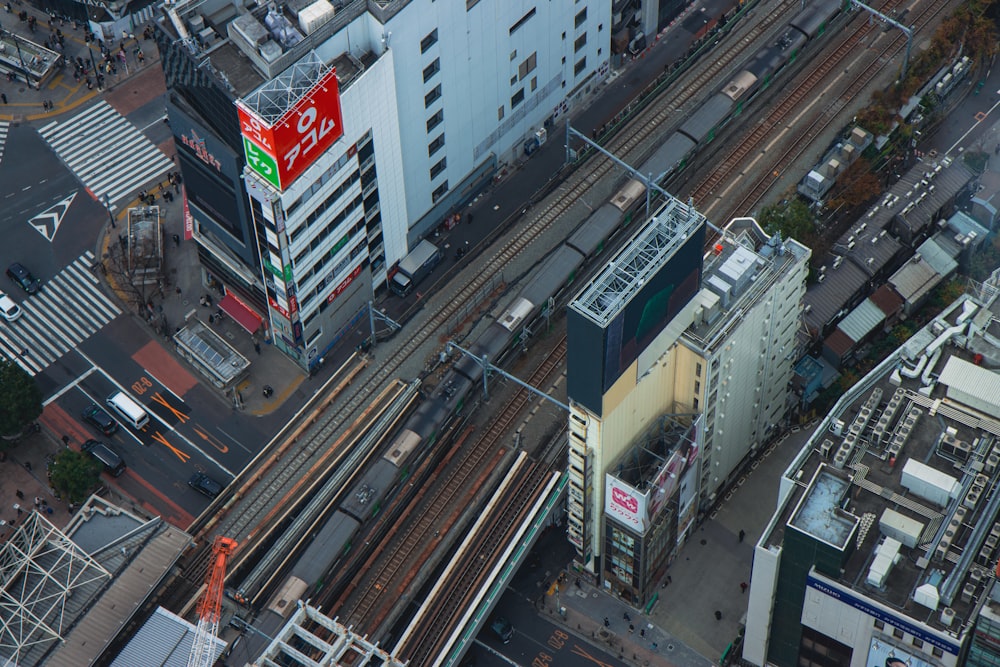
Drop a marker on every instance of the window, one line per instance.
(918, 643)
(435, 145)
(513, 80)
(697, 370)
(580, 42)
(581, 17)
(696, 405)
(528, 66)
(521, 21)
(435, 120)
(499, 113)
(936, 652)
(697, 387)
(432, 96)
(432, 69)
(429, 41)
(534, 83)
(439, 192)
(897, 633)
(438, 168)
(517, 98)
(513, 54)
(580, 66)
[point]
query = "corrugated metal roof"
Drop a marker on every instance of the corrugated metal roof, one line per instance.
(973, 380)
(825, 299)
(164, 640)
(914, 279)
(963, 223)
(862, 320)
(839, 343)
(937, 257)
(887, 300)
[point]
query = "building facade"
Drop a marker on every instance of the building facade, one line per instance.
(433, 97)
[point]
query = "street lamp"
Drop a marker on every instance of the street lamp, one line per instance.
(107, 205)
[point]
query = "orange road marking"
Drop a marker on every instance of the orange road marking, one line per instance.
(160, 438)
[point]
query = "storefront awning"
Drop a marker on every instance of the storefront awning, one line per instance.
(240, 312)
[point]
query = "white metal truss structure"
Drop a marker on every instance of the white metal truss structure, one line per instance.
(270, 102)
(605, 296)
(40, 568)
(312, 639)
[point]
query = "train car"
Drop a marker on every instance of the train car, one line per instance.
(332, 541)
(741, 86)
(814, 19)
(402, 447)
(589, 237)
(701, 126)
(670, 156)
(628, 195)
(366, 497)
(492, 342)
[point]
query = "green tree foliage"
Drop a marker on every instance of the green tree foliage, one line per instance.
(74, 475)
(790, 218)
(20, 399)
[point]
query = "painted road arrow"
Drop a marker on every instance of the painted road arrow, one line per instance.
(47, 222)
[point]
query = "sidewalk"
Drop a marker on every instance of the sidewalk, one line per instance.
(24, 103)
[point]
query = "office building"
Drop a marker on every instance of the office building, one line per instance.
(319, 142)
(884, 541)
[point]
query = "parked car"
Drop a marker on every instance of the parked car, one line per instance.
(99, 419)
(205, 485)
(22, 276)
(106, 456)
(502, 628)
(10, 310)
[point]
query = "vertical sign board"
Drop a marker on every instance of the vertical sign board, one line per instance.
(279, 153)
(625, 504)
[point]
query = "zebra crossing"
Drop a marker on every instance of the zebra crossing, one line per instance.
(109, 155)
(68, 309)
(4, 127)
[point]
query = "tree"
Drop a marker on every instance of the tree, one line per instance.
(791, 219)
(74, 475)
(20, 400)
(855, 185)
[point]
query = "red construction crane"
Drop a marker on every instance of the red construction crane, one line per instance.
(210, 605)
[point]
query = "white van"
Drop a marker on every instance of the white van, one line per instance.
(128, 409)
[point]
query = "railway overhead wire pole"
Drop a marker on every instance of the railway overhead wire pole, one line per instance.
(487, 367)
(651, 182)
(906, 31)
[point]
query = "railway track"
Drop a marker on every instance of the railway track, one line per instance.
(388, 575)
(752, 159)
(808, 132)
(298, 451)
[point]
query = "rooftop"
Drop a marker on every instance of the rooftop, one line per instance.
(911, 453)
(644, 255)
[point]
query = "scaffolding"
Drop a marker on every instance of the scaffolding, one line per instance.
(40, 570)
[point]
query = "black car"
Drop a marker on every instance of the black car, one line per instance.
(22, 276)
(99, 419)
(502, 628)
(106, 456)
(204, 484)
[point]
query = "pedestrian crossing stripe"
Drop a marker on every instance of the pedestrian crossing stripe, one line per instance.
(106, 152)
(4, 128)
(67, 310)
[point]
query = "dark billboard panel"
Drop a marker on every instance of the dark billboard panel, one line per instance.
(652, 308)
(597, 357)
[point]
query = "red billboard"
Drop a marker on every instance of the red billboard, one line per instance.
(301, 135)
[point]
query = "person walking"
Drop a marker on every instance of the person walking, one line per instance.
(607, 623)
(718, 615)
(743, 534)
(20, 494)
(626, 617)
(743, 587)
(3, 96)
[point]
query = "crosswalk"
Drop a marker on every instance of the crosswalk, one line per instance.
(68, 309)
(4, 127)
(109, 155)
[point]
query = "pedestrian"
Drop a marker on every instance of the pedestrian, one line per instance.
(3, 96)
(743, 587)
(670, 579)
(18, 508)
(642, 632)
(655, 646)
(27, 466)
(256, 347)
(626, 617)
(743, 534)
(718, 615)
(607, 623)
(38, 501)
(177, 240)
(631, 628)
(65, 440)
(20, 494)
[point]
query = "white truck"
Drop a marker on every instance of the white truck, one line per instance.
(414, 267)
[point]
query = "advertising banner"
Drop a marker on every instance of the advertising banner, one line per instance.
(279, 153)
(624, 503)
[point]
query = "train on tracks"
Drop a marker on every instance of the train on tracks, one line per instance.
(422, 429)
(728, 101)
